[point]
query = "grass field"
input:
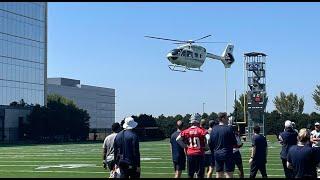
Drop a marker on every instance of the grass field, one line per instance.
(84, 160)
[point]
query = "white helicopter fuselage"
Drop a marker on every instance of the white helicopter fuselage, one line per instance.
(191, 56)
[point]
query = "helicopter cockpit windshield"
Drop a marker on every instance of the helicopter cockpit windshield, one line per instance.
(175, 52)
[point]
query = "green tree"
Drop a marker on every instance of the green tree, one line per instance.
(21, 103)
(205, 116)
(238, 109)
(290, 103)
(316, 97)
(55, 98)
(61, 120)
(213, 116)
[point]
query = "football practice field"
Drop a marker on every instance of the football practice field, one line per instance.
(84, 160)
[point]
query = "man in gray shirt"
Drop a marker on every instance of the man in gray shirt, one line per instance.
(108, 151)
(208, 155)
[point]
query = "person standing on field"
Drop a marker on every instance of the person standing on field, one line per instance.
(194, 139)
(108, 150)
(302, 158)
(315, 140)
(127, 151)
(178, 154)
(288, 138)
(222, 142)
(236, 152)
(208, 156)
(259, 151)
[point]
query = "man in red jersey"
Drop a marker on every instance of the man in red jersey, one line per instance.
(194, 139)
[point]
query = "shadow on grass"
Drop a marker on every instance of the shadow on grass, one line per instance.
(34, 143)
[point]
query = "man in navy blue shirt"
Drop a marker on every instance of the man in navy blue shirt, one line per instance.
(259, 151)
(221, 143)
(301, 157)
(287, 139)
(126, 150)
(178, 154)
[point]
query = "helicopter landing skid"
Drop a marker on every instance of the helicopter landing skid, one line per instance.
(182, 68)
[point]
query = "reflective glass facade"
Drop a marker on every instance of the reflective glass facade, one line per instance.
(23, 56)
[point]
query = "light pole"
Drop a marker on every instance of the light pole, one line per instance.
(203, 108)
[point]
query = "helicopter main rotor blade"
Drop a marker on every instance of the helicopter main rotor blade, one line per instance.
(212, 42)
(166, 39)
(201, 38)
(181, 43)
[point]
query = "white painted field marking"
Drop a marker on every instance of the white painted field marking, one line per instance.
(68, 166)
(47, 161)
(171, 167)
(148, 159)
(46, 171)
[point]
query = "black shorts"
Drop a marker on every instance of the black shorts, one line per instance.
(317, 153)
(209, 160)
(237, 159)
(179, 165)
(226, 165)
(196, 165)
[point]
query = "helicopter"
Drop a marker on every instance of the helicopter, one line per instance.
(191, 57)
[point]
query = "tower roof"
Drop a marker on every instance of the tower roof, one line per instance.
(255, 54)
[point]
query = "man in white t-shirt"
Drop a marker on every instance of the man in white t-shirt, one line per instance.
(315, 140)
(108, 150)
(315, 135)
(236, 153)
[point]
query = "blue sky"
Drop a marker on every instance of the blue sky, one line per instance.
(103, 44)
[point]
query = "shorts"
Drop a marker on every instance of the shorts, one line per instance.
(179, 165)
(317, 154)
(237, 159)
(209, 160)
(226, 165)
(196, 165)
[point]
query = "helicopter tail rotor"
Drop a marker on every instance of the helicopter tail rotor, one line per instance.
(227, 56)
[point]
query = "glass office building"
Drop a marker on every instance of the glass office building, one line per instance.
(23, 52)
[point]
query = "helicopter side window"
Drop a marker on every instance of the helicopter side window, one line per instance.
(196, 55)
(189, 54)
(183, 53)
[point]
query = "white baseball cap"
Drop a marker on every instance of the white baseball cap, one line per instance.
(316, 124)
(288, 123)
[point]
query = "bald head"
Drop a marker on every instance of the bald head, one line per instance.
(203, 123)
(179, 125)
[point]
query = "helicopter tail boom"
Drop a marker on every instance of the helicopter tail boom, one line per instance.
(226, 58)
